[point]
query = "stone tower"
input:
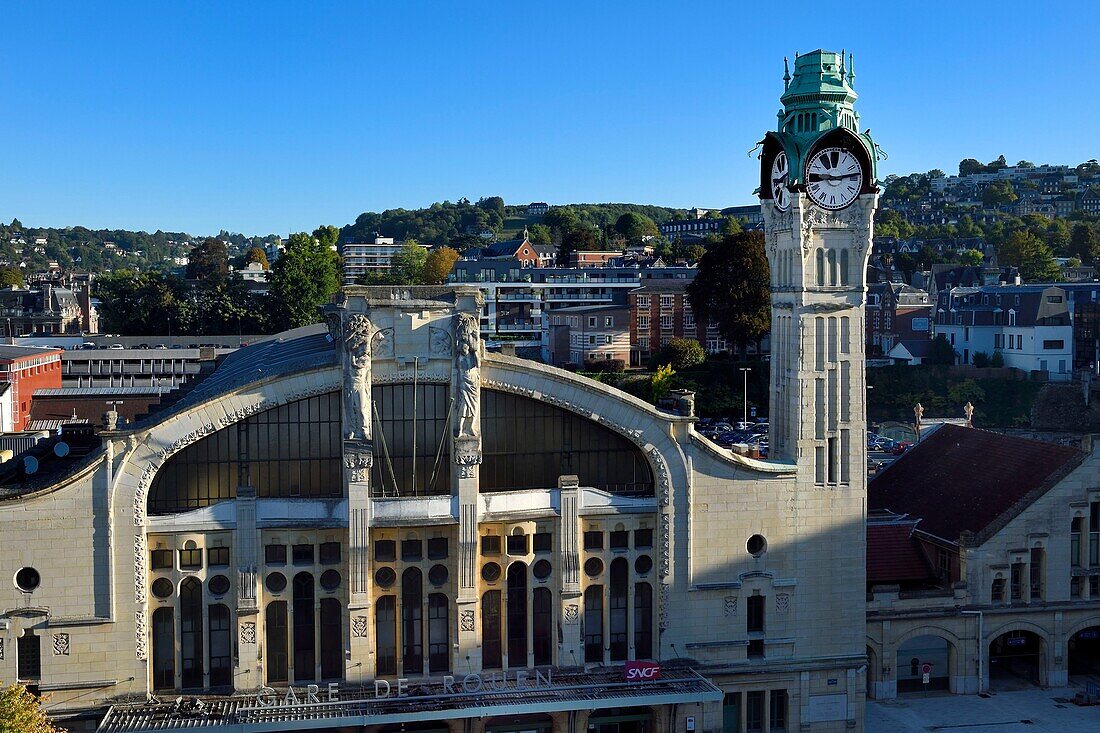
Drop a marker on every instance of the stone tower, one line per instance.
(818, 196)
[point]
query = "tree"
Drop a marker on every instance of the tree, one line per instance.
(970, 166)
(255, 254)
(997, 361)
(407, 263)
(21, 712)
(941, 352)
(1084, 243)
(10, 276)
(681, 353)
(327, 236)
(1058, 236)
(634, 226)
(731, 288)
(539, 234)
(999, 193)
(1031, 254)
(971, 257)
(661, 381)
(210, 259)
(581, 239)
(438, 265)
(302, 280)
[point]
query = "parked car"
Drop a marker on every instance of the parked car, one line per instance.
(160, 346)
(117, 347)
(901, 447)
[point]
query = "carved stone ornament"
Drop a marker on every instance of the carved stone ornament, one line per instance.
(572, 615)
(663, 617)
(467, 451)
(852, 217)
(730, 606)
(139, 567)
(468, 362)
(248, 632)
(61, 645)
(358, 463)
(783, 602)
(467, 620)
(357, 381)
(439, 342)
(775, 219)
(359, 627)
(1, 648)
(467, 472)
(382, 344)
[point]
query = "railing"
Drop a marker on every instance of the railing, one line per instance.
(519, 326)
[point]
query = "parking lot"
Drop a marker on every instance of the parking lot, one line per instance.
(1034, 709)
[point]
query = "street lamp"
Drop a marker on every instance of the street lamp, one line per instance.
(745, 374)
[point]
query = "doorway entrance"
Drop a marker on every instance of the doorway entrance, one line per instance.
(1015, 661)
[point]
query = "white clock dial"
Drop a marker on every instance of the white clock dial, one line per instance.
(833, 178)
(780, 194)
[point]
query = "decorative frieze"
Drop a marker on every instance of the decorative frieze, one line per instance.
(572, 615)
(61, 645)
(408, 376)
(248, 632)
(141, 645)
(466, 619)
(359, 627)
(1, 648)
(439, 342)
(140, 552)
(663, 618)
(729, 604)
(783, 602)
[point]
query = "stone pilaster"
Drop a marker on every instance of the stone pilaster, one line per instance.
(246, 547)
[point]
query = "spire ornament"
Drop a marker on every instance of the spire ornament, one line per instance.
(786, 74)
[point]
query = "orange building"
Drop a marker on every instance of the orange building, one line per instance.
(28, 368)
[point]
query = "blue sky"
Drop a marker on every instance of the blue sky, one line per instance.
(277, 117)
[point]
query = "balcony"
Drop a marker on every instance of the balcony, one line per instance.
(521, 327)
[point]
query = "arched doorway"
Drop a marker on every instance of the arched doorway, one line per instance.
(914, 655)
(621, 720)
(1084, 652)
(872, 673)
(1015, 660)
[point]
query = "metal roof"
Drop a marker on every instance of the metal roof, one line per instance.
(99, 391)
(426, 700)
(22, 352)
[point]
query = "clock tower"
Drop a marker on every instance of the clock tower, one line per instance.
(818, 197)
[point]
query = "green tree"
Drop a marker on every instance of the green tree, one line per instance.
(681, 353)
(10, 276)
(407, 263)
(256, 254)
(438, 265)
(1058, 236)
(1084, 242)
(581, 239)
(634, 226)
(941, 352)
(327, 236)
(301, 281)
(661, 381)
(970, 257)
(1031, 254)
(539, 234)
(731, 288)
(21, 712)
(999, 193)
(210, 259)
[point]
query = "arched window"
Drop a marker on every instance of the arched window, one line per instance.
(412, 621)
(276, 659)
(542, 612)
(643, 621)
(164, 649)
(820, 267)
(832, 267)
(332, 640)
(305, 625)
(844, 267)
(221, 645)
(385, 635)
(619, 585)
(439, 642)
(813, 122)
(593, 624)
(517, 615)
(490, 630)
(191, 632)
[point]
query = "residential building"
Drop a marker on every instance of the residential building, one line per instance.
(580, 258)
(521, 251)
(588, 333)
(659, 312)
(896, 311)
(370, 257)
(45, 309)
(27, 369)
(538, 208)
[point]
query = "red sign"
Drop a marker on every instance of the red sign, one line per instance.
(927, 668)
(641, 671)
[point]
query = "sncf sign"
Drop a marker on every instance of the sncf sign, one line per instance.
(641, 671)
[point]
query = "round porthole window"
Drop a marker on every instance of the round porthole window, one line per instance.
(330, 580)
(162, 587)
(643, 564)
(490, 572)
(757, 545)
(385, 577)
(27, 579)
(438, 575)
(276, 582)
(542, 569)
(593, 566)
(218, 585)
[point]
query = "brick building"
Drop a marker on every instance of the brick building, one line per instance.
(588, 333)
(27, 368)
(659, 312)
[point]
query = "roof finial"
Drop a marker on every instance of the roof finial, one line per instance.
(851, 71)
(524, 232)
(786, 74)
(842, 52)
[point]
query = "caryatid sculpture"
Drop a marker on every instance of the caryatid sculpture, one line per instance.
(468, 348)
(357, 366)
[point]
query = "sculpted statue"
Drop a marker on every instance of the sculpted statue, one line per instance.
(467, 344)
(357, 356)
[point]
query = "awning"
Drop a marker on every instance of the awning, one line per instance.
(496, 694)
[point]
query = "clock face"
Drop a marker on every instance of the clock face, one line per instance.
(833, 178)
(780, 194)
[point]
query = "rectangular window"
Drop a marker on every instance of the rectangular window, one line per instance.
(302, 554)
(217, 557)
(329, 553)
(1036, 573)
(1050, 344)
(754, 711)
(667, 301)
(385, 551)
(620, 540)
(490, 544)
(643, 320)
(609, 321)
(643, 539)
(754, 617)
(275, 554)
(412, 550)
(1017, 582)
(161, 559)
(666, 322)
(731, 712)
(191, 559)
(832, 458)
(1075, 542)
(437, 548)
(1094, 587)
(643, 301)
(592, 321)
(593, 540)
(777, 717)
(1094, 534)
(543, 542)
(517, 544)
(997, 594)
(1075, 587)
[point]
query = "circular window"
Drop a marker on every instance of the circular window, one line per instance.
(643, 564)
(490, 572)
(385, 576)
(276, 582)
(593, 566)
(330, 580)
(27, 579)
(162, 587)
(219, 585)
(542, 569)
(438, 575)
(757, 545)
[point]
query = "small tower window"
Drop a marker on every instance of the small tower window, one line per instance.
(813, 121)
(821, 267)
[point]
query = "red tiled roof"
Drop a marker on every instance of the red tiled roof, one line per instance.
(959, 478)
(893, 556)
